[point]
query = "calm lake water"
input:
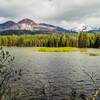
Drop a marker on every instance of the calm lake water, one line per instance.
(55, 75)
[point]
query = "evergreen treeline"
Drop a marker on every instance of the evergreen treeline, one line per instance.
(22, 32)
(83, 40)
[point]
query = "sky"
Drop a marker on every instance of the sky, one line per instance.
(65, 13)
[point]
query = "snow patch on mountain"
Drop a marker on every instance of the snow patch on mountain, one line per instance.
(84, 28)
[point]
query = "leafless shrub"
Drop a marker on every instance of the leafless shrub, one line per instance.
(92, 77)
(8, 75)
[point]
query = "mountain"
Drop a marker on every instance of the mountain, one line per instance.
(53, 28)
(95, 30)
(30, 25)
(26, 24)
(7, 25)
(86, 28)
(27, 21)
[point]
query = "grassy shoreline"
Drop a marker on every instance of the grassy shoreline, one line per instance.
(59, 49)
(87, 51)
(66, 49)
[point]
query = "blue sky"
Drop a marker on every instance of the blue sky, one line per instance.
(65, 13)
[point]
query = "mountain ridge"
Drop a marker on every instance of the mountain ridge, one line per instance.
(30, 25)
(86, 28)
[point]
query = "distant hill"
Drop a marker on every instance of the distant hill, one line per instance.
(28, 26)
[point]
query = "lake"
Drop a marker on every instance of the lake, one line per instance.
(54, 76)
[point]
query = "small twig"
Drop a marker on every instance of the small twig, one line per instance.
(91, 76)
(96, 94)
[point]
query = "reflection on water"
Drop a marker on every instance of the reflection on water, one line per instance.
(54, 76)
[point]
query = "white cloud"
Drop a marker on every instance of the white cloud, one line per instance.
(93, 21)
(70, 24)
(67, 13)
(3, 19)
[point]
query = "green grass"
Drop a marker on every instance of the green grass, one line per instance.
(94, 54)
(57, 49)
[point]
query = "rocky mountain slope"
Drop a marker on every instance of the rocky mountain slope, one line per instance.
(30, 25)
